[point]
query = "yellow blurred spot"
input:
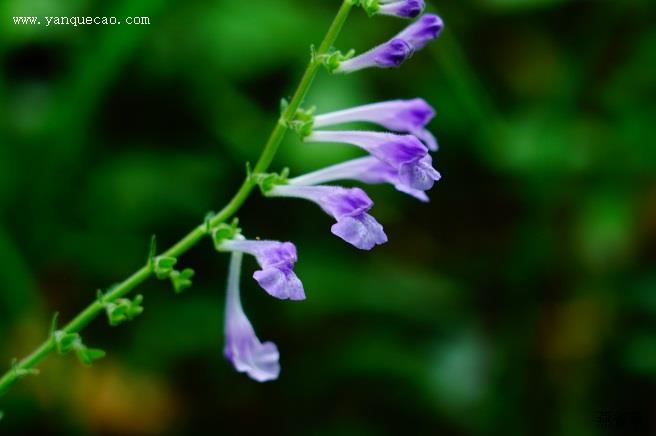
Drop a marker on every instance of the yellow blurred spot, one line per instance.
(115, 399)
(574, 329)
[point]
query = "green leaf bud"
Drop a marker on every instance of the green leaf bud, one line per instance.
(181, 280)
(163, 266)
(224, 232)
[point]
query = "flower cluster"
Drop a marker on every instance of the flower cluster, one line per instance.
(399, 156)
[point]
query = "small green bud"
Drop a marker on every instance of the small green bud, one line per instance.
(135, 308)
(123, 310)
(163, 266)
(313, 54)
(65, 342)
(268, 181)
(152, 250)
(181, 280)
(53, 323)
(209, 216)
(369, 6)
(116, 313)
(332, 60)
(88, 355)
(303, 122)
(224, 232)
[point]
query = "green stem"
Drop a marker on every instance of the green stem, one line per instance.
(193, 237)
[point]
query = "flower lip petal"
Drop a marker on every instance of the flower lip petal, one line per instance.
(349, 207)
(280, 284)
(427, 138)
(248, 355)
(277, 261)
(419, 175)
(362, 231)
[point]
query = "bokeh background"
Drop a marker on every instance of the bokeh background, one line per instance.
(520, 301)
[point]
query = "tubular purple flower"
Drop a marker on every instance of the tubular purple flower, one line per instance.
(388, 55)
(395, 51)
(405, 153)
(277, 260)
(365, 169)
(242, 347)
(401, 8)
(422, 31)
(407, 116)
(349, 206)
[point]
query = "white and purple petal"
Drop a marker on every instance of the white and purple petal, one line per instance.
(366, 169)
(406, 116)
(419, 175)
(277, 261)
(361, 231)
(349, 207)
(405, 153)
(242, 347)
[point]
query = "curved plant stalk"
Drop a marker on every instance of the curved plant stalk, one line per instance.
(68, 334)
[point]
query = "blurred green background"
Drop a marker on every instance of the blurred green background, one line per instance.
(520, 301)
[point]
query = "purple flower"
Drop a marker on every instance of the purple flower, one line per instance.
(405, 153)
(395, 51)
(401, 8)
(407, 116)
(388, 55)
(242, 348)
(422, 31)
(349, 206)
(277, 260)
(365, 169)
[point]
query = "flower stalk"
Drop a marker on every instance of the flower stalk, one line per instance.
(401, 159)
(27, 364)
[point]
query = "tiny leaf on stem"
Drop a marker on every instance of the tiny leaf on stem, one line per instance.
(224, 232)
(332, 60)
(123, 310)
(152, 250)
(181, 280)
(268, 181)
(88, 355)
(65, 342)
